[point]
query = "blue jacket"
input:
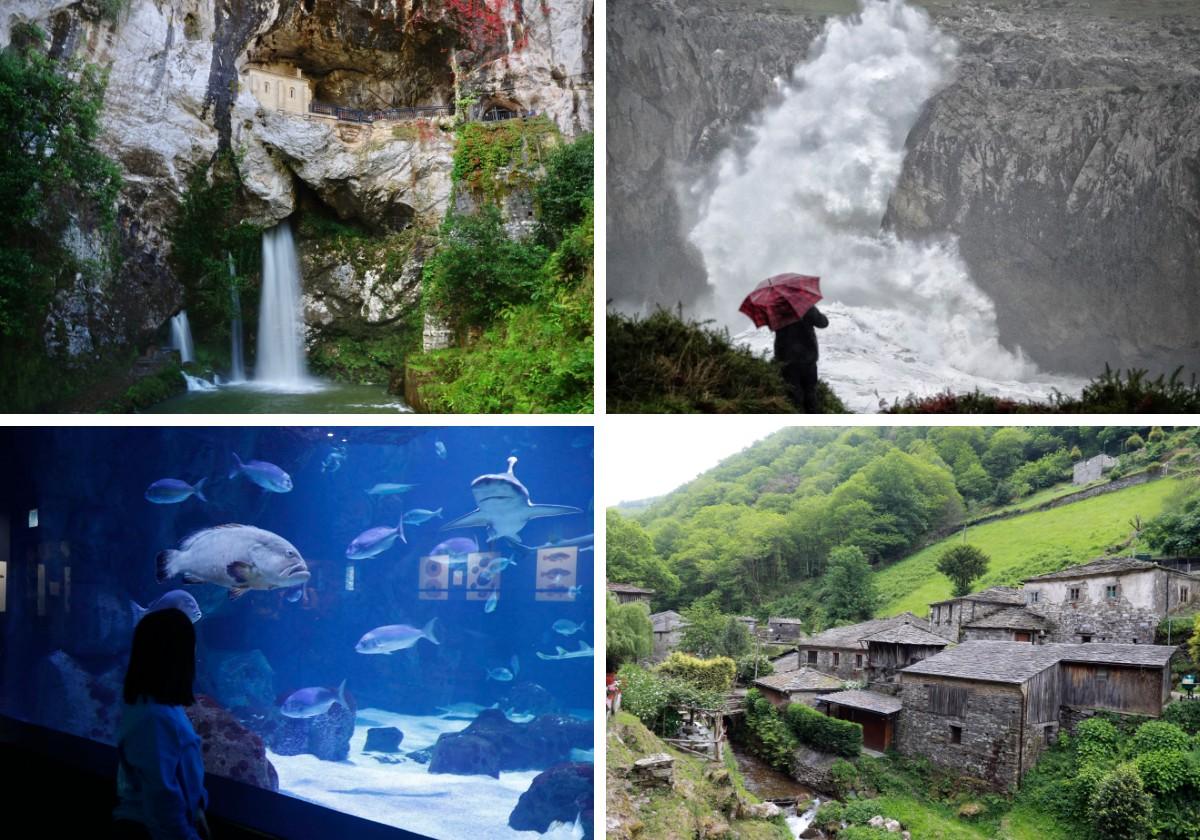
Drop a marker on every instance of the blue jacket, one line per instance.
(160, 775)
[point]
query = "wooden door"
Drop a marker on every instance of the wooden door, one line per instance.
(1022, 636)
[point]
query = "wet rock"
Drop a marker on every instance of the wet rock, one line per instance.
(421, 756)
(544, 741)
(327, 736)
(383, 739)
(242, 678)
(761, 811)
(70, 699)
(230, 749)
(529, 698)
(656, 770)
(558, 794)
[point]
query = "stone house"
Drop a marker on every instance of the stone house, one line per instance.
(1094, 468)
(800, 686)
(668, 630)
(842, 651)
(1113, 599)
(947, 618)
(749, 622)
(1009, 624)
(278, 87)
(784, 629)
(627, 593)
(895, 648)
(988, 709)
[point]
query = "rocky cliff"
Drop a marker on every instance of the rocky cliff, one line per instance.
(178, 94)
(1065, 156)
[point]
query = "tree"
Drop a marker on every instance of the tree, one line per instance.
(1134, 441)
(735, 639)
(631, 558)
(1156, 434)
(629, 635)
(962, 564)
(848, 589)
(970, 478)
(1176, 532)
(1120, 807)
(1005, 452)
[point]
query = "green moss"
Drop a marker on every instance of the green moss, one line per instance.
(149, 391)
(364, 360)
(491, 159)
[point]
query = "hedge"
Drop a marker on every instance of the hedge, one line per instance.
(824, 733)
(772, 740)
(705, 674)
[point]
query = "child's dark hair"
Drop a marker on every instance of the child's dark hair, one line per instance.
(162, 665)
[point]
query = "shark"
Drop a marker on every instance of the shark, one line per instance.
(503, 506)
(585, 651)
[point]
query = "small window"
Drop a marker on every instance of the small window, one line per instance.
(949, 613)
(1084, 639)
(1134, 640)
(955, 734)
(1073, 594)
(267, 87)
(1048, 733)
(1110, 591)
(1101, 673)
(33, 518)
(1033, 597)
(836, 659)
(812, 657)
(858, 661)
(1184, 594)
(291, 93)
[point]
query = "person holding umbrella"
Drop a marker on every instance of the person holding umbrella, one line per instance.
(787, 304)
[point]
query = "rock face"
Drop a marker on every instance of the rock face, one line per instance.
(559, 794)
(327, 736)
(493, 743)
(230, 749)
(176, 96)
(383, 739)
(1063, 157)
(70, 699)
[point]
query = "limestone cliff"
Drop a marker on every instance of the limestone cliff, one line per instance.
(178, 93)
(1065, 157)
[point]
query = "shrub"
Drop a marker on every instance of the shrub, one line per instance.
(1096, 740)
(747, 665)
(1164, 771)
(1184, 715)
(1134, 441)
(565, 194)
(629, 635)
(1157, 735)
(821, 732)
(844, 777)
(1120, 807)
(772, 740)
(656, 700)
(715, 675)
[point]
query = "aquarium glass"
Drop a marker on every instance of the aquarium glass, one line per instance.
(424, 679)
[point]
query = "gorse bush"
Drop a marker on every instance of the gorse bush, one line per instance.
(821, 732)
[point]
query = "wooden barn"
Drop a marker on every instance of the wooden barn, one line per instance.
(897, 647)
(988, 709)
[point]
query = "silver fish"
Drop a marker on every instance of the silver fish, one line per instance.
(176, 599)
(504, 674)
(389, 489)
(393, 637)
(172, 491)
(418, 516)
(310, 702)
(238, 557)
(503, 506)
(492, 601)
(440, 449)
(566, 627)
(374, 541)
(263, 473)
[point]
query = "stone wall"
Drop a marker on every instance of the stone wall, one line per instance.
(1092, 469)
(436, 334)
(946, 620)
(845, 666)
(997, 634)
(1131, 617)
(990, 725)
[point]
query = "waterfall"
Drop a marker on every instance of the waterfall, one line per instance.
(181, 337)
(807, 195)
(280, 352)
(238, 374)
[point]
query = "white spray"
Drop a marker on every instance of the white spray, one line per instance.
(280, 360)
(181, 337)
(808, 196)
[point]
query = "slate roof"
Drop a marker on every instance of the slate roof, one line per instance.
(668, 620)
(851, 635)
(1017, 662)
(774, 620)
(882, 704)
(629, 588)
(1011, 618)
(992, 595)
(907, 634)
(805, 679)
(1102, 566)
(789, 661)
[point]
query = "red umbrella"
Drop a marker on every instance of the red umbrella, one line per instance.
(781, 300)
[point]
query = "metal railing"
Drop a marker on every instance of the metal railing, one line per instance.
(363, 115)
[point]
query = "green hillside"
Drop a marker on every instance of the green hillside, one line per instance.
(1024, 545)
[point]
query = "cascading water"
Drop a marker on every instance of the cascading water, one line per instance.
(280, 351)
(808, 196)
(238, 371)
(181, 337)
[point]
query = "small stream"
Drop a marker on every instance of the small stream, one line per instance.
(251, 398)
(766, 782)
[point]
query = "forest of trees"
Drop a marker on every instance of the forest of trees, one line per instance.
(792, 525)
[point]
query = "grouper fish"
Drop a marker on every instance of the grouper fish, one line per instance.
(238, 557)
(503, 506)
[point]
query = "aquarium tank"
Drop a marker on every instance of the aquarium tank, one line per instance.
(394, 623)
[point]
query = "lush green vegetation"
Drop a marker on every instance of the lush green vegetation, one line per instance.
(840, 737)
(962, 564)
(663, 364)
(522, 308)
(712, 675)
(629, 636)
(1134, 392)
(774, 736)
(52, 178)
(655, 697)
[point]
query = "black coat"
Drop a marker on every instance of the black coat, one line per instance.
(797, 343)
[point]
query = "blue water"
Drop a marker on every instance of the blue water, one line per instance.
(70, 580)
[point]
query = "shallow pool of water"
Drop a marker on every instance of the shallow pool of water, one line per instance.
(320, 398)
